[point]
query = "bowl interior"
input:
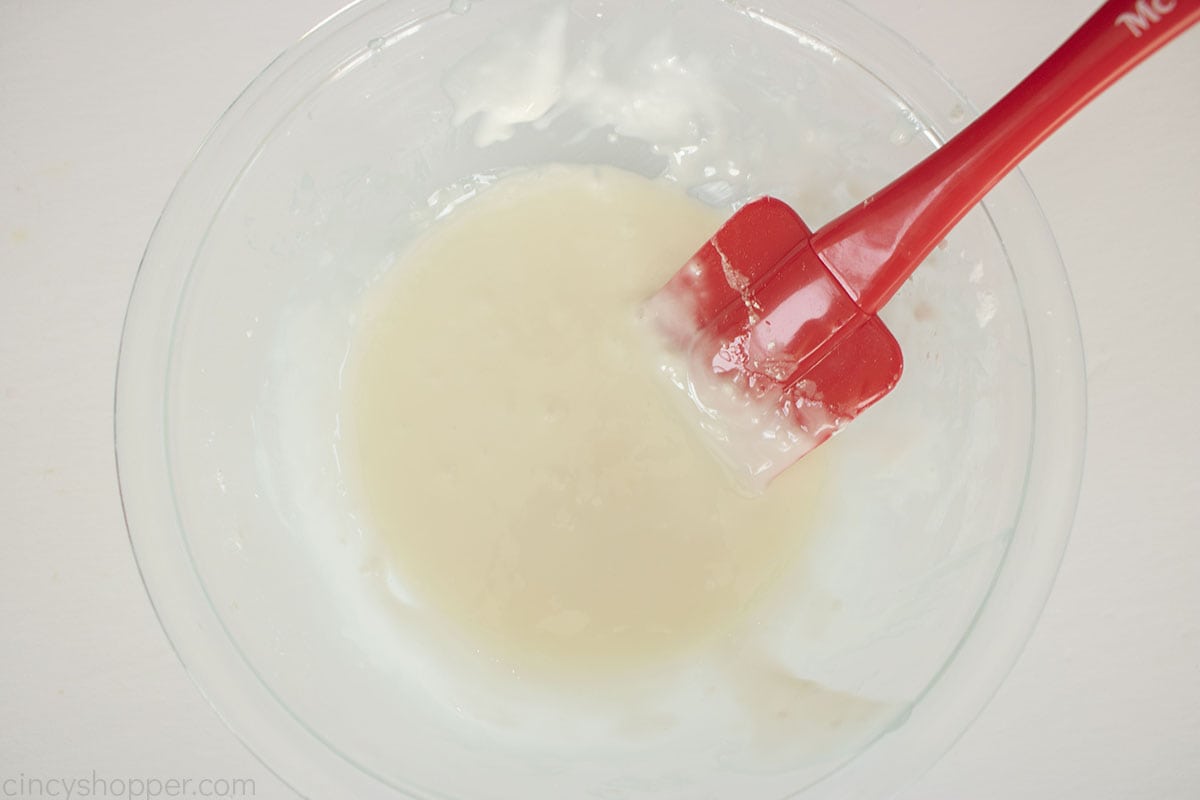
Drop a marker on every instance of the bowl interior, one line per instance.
(388, 117)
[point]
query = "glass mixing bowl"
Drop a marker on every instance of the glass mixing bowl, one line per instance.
(960, 487)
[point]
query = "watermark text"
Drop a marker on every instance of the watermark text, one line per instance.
(102, 787)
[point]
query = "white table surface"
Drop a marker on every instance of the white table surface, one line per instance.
(102, 103)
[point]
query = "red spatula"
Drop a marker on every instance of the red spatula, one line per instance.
(775, 325)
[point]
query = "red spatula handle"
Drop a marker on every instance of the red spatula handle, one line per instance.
(875, 246)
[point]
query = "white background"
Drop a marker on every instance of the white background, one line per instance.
(102, 102)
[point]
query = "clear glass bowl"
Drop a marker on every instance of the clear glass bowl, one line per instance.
(322, 170)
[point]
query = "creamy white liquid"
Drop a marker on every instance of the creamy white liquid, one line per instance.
(531, 477)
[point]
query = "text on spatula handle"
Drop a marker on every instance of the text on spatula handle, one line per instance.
(1144, 14)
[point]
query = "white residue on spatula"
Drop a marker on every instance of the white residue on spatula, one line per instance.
(753, 431)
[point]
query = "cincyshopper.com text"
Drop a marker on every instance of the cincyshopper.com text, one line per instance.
(98, 787)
